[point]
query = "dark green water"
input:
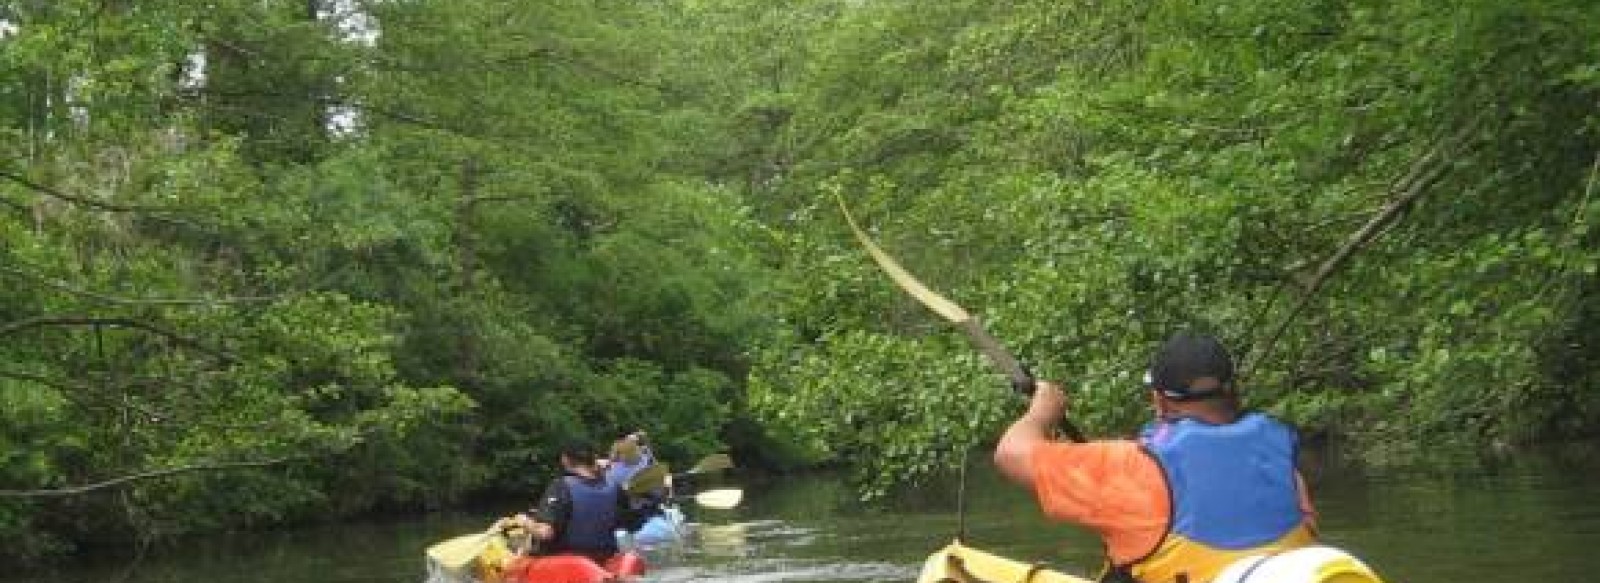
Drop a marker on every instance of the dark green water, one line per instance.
(1529, 521)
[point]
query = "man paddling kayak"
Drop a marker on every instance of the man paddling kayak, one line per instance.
(580, 510)
(1204, 484)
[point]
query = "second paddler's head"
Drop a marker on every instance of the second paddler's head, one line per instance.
(1192, 375)
(578, 458)
(626, 451)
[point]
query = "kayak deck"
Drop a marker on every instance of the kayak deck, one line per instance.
(961, 564)
(572, 569)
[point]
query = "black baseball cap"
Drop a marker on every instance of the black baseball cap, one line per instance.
(1186, 357)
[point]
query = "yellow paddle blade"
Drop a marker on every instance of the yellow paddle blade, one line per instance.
(655, 476)
(946, 308)
(455, 554)
(648, 479)
(712, 463)
(721, 499)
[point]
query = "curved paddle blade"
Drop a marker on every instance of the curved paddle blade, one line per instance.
(721, 499)
(712, 463)
(455, 554)
(648, 479)
(943, 306)
(1021, 380)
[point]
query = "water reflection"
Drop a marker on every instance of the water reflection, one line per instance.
(725, 540)
(752, 552)
(1532, 519)
(768, 570)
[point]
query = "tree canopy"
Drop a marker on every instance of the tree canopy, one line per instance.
(1383, 208)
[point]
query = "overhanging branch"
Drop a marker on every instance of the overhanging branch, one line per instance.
(16, 206)
(81, 200)
(199, 467)
(1417, 181)
(182, 339)
(110, 299)
(63, 386)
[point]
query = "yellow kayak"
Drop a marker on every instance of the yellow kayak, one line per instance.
(962, 564)
(958, 563)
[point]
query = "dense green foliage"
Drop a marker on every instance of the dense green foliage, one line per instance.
(334, 272)
(303, 260)
(1091, 177)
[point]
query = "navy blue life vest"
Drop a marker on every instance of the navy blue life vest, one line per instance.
(594, 517)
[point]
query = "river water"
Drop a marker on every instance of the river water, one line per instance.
(1531, 520)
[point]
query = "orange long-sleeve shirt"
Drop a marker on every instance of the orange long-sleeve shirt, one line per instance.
(1114, 488)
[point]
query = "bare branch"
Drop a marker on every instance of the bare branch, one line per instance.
(75, 393)
(42, 380)
(1422, 175)
(85, 201)
(17, 206)
(86, 488)
(501, 198)
(110, 299)
(367, 107)
(117, 322)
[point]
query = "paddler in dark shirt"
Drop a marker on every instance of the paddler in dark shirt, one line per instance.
(580, 511)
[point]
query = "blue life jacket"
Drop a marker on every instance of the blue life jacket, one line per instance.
(594, 517)
(1233, 486)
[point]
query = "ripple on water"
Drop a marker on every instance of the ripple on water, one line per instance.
(785, 570)
(738, 538)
